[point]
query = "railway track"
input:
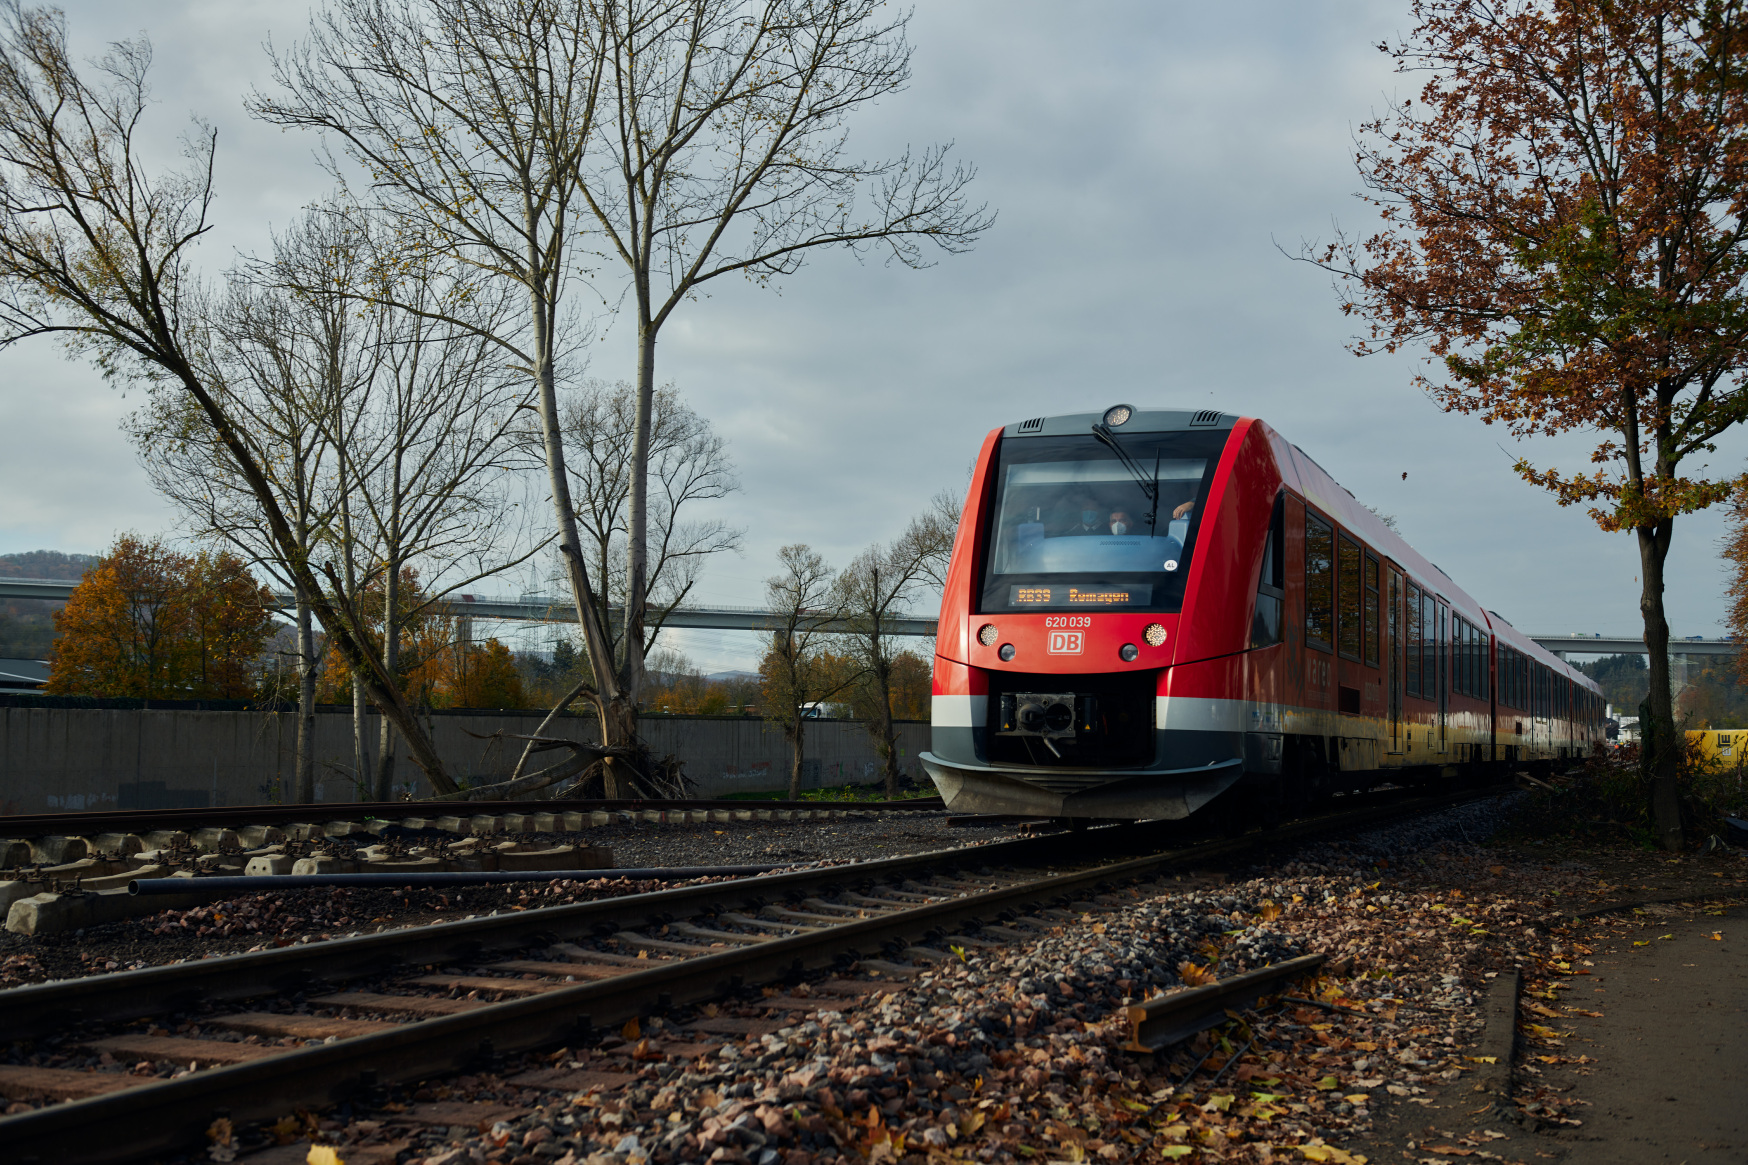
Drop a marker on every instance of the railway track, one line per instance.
(308, 1026)
(240, 817)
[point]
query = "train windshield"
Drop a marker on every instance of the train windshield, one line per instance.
(1077, 528)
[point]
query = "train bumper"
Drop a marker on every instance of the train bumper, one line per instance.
(1149, 794)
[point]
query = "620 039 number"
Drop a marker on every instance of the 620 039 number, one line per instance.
(1068, 621)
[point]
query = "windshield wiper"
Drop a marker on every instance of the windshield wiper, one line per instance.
(1149, 485)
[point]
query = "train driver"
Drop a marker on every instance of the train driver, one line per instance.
(1088, 512)
(1120, 522)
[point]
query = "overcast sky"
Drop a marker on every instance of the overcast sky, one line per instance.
(1145, 160)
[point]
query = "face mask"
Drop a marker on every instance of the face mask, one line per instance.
(1088, 517)
(1119, 528)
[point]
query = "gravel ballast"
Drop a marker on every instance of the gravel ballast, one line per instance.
(1012, 1052)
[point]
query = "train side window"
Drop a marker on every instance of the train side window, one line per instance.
(1459, 655)
(1265, 625)
(1319, 583)
(1429, 645)
(1371, 627)
(1444, 651)
(1348, 633)
(1413, 669)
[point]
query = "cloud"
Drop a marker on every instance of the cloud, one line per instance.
(1146, 160)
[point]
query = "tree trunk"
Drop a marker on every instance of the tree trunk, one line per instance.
(618, 729)
(1661, 744)
(888, 737)
(305, 774)
(797, 740)
(391, 660)
(360, 740)
(637, 534)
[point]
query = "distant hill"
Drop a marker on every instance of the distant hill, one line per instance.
(45, 564)
(27, 626)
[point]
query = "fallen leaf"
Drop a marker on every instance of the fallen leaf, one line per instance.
(1327, 1084)
(1194, 976)
(1717, 936)
(631, 1030)
(1172, 1152)
(1482, 1059)
(323, 1155)
(1449, 1150)
(1661, 937)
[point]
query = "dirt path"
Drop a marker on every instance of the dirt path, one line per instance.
(1670, 1082)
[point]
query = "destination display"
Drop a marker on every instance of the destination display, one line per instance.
(1093, 595)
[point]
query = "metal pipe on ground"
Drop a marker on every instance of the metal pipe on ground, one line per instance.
(220, 887)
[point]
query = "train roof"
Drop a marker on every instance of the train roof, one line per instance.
(1141, 420)
(1321, 489)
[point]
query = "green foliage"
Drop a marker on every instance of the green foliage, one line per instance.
(1609, 799)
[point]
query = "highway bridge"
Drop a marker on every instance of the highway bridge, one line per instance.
(547, 609)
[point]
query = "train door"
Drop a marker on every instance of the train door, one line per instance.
(1393, 660)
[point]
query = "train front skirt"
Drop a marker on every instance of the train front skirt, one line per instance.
(1148, 794)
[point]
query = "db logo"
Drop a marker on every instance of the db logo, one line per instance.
(1067, 642)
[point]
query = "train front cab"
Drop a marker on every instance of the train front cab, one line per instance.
(1070, 594)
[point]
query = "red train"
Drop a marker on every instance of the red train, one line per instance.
(1148, 608)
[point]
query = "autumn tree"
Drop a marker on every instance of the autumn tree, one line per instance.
(484, 675)
(96, 249)
(1564, 216)
(150, 622)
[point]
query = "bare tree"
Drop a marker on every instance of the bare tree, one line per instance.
(721, 151)
(795, 671)
(188, 464)
(472, 117)
(95, 247)
(876, 589)
(440, 493)
(688, 463)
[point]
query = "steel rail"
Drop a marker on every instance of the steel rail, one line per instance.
(41, 1008)
(223, 887)
(1160, 1022)
(141, 820)
(124, 1125)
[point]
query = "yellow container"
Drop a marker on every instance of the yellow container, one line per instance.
(1726, 745)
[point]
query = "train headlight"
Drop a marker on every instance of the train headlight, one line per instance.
(987, 635)
(1128, 652)
(1154, 634)
(1006, 652)
(1118, 415)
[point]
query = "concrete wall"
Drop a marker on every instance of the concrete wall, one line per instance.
(55, 759)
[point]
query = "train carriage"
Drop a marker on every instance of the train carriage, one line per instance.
(1148, 608)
